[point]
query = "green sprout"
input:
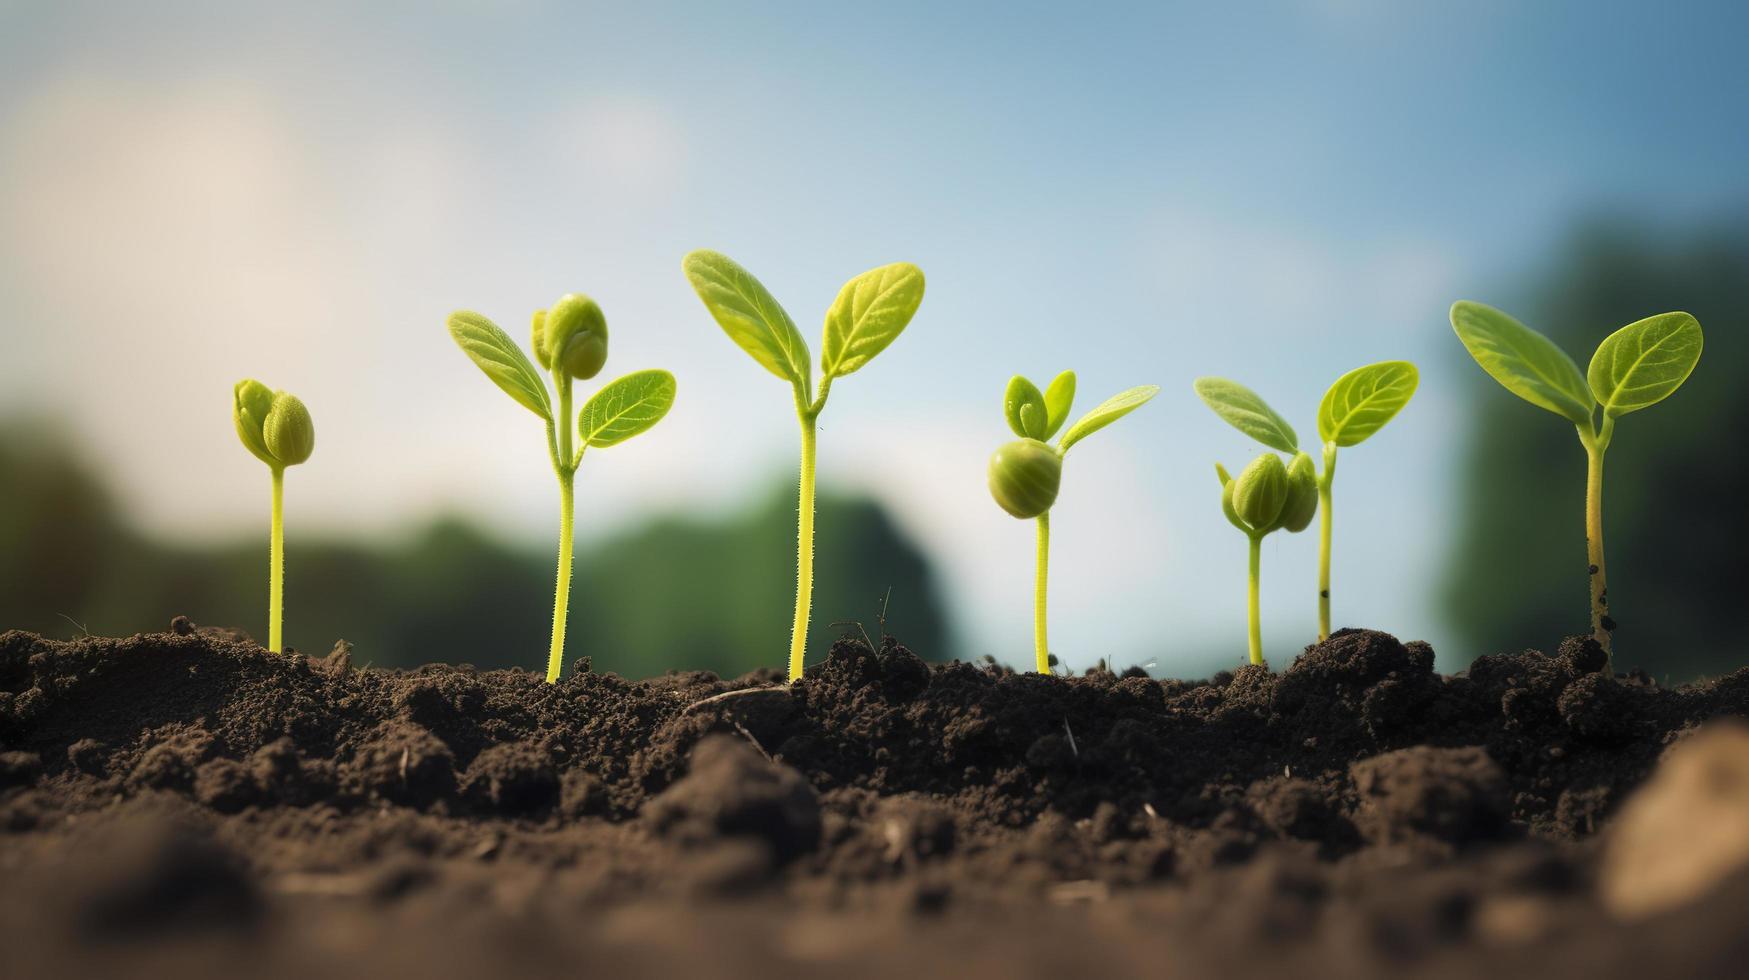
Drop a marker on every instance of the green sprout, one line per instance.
(1026, 473)
(1267, 496)
(1356, 406)
(869, 314)
(570, 342)
(276, 427)
(1639, 365)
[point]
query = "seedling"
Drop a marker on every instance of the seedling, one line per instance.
(1026, 473)
(869, 314)
(1267, 496)
(1639, 365)
(1356, 406)
(276, 427)
(570, 342)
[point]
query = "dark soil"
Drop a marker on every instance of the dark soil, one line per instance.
(187, 801)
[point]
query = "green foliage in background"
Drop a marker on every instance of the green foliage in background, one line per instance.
(675, 594)
(1675, 488)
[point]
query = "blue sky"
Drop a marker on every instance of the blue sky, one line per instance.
(1144, 193)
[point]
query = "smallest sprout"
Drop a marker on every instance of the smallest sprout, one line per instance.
(1267, 496)
(276, 428)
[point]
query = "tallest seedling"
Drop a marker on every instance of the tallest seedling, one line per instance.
(570, 342)
(1638, 365)
(870, 312)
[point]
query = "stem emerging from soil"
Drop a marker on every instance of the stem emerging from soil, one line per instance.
(566, 467)
(1595, 446)
(1326, 481)
(276, 566)
(1041, 648)
(798, 639)
(1256, 634)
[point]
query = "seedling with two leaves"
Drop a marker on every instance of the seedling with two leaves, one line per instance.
(869, 314)
(1355, 407)
(570, 342)
(1025, 474)
(1639, 365)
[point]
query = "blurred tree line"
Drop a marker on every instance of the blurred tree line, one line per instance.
(1675, 514)
(676, 593)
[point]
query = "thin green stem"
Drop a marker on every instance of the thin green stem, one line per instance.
(566, 468)
(1326, 483)
(562, 586)
(1595, 446)
(1041, 648)
(276, 566)
(1256, 628)
(798, 642)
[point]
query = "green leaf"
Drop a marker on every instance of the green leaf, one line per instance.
(869, 313)
(1058, 397)
(749, 314)
(250, 402)
(1245, 410)
(498, 356)
(1107, 412)
(1525, 362)
(625, 407)
(1643, 363)
(1025, 409)
(1363, 400)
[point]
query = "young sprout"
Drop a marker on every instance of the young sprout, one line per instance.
(276, 427)
(570, 342)
(1025, 473)
(1638, 365)
(1356, 406)
(869, 313)
(1266, 496)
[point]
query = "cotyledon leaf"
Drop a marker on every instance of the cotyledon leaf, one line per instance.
(749, 314)
(1024, 408)
(496, 354)
(250, 402)
(1363, 400)
(1245, 410)
(625, 407)
(1524, 362)
(1107, 412)
(869, 313)
(1644, 362)
(1059, 395)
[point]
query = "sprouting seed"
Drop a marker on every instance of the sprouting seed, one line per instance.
(1265, 497)
(276, 428)
(1356, 406)
(1025, 474)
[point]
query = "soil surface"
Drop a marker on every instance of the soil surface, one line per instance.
(185, 801)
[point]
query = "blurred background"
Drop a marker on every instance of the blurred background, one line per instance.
(192, 193)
